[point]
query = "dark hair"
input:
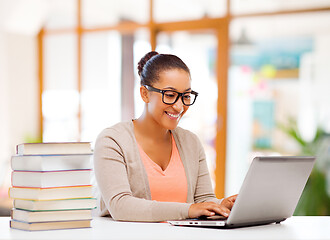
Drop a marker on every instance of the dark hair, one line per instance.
(153, 63)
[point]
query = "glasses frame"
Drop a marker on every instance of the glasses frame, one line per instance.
(153, 89)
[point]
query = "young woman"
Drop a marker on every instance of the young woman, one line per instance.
(149, 169)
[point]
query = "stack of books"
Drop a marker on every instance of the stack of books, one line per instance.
(51, 186)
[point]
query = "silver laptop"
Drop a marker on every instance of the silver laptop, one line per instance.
(269, 194)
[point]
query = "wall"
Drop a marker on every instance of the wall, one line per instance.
(18, 87)
(22, 86)
(4, 108)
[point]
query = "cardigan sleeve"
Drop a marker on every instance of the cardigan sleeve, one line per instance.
(113, 181)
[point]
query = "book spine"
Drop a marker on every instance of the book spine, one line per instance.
(17, 146)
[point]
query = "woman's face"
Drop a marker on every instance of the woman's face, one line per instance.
(168, 116)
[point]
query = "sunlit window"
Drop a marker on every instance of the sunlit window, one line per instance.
(99, 13)
(274, 89)
(68, 70)
(255, 6)
(101, 93)
(60, 98)
(173, 10)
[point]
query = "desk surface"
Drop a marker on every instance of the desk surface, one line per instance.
(105, 228)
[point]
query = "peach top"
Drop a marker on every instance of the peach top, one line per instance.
(169, 185)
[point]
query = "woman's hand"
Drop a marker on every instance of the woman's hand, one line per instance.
(210, 208)
(229, 202)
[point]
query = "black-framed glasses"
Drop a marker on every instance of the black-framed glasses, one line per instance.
(170, 97)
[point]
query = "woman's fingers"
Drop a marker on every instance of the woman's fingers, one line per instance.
(219, 209)
(207, 209)
(207, 213)
(224, 211)
(200, 209)
(229, 202)
(210, 208)
(232, 198)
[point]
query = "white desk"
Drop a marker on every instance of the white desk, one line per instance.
(105, 228)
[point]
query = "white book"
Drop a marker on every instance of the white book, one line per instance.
(50, 193)
(53, 205)
(54, 148)
(50, 216)
(51, 162)
(51, 179)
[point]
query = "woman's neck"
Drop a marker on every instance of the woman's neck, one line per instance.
(147, 127)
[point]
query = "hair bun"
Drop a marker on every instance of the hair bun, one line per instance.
(144, 60)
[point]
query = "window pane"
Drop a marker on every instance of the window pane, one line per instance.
(277, 81)
(61, 14)
(173, 10)
(101, 79)
(98, 13)
(198, 51)
(60, 98)
(255, 6)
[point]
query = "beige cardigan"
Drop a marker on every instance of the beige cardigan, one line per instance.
(123, 181)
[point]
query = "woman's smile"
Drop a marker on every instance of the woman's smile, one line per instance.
(174, 116)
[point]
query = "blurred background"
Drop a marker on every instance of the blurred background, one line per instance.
(261, 67)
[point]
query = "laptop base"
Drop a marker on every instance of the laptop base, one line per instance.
(219, 224)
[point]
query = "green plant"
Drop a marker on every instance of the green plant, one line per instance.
(314, 200)
(29, 138)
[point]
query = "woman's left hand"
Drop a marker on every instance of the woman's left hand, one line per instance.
(229, 202)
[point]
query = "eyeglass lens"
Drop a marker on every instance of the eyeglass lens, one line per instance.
(170, 97)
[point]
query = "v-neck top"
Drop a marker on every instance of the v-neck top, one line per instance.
(169, 185)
